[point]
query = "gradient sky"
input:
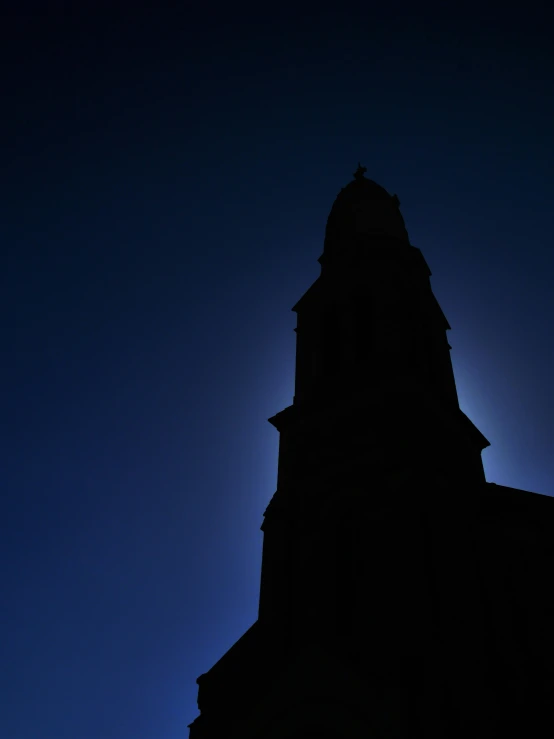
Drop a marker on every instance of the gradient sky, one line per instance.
(166, 180)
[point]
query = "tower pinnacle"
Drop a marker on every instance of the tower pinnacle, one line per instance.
(359, 173)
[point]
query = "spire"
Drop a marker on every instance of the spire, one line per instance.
(359, 173)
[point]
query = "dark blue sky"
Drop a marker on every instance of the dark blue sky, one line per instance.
(166, 180)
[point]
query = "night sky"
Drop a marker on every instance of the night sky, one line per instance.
(166, 179)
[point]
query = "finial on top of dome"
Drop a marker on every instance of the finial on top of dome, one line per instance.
(359, 173)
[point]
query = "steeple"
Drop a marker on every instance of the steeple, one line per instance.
(375, 405)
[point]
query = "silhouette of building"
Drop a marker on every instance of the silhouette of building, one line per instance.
(401, 594)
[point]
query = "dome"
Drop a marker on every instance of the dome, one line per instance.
(365, 211)
(362, 188)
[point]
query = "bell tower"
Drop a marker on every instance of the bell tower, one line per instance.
(375, 413)
(371, 612)
(372, 350)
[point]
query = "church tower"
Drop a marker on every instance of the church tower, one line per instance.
(375, 617)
